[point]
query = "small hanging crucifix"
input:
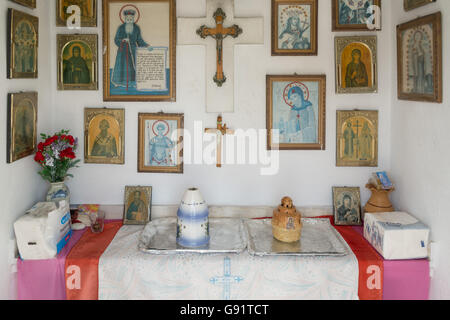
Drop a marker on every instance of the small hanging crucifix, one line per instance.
(219, 33)
(220, 131)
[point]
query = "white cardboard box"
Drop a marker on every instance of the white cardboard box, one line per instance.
(397, 235)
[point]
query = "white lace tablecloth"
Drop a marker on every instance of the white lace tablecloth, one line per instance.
(125, 273)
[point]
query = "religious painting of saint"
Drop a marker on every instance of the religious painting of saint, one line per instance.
(23, 42)
(419, 59)
(22, 123)
(356, 64)
(88, 12)
(140, 58)
(161, 143)
(27, 3)
(294, 27)
(296, 112)
(77, 62)
(357, 138)
(137, 206)
(347, 206)
(361, 15)
(413, 4)
(104, 135)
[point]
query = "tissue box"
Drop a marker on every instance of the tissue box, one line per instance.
(43, 231)
(397, 235)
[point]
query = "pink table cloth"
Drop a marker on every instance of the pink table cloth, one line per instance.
(44, 279)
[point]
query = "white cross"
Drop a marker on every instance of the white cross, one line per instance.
(220, 99)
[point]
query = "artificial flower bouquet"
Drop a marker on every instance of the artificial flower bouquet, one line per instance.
(56, 155)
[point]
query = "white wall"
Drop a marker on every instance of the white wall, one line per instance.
(20, 185)
(305, 175)
(421, 152)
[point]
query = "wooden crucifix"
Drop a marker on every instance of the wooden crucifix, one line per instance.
(219, 131)
(219, 33)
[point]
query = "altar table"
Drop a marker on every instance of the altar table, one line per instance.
(45, 279)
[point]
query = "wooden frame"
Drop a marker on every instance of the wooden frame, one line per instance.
(61, 21)
(26, 3)
(15, 100)
(337, 26)
(433, 94)
(138, 204)
(364, 142)
(114, 153)
(340, 208)
(77, 40)
(344, 48)
(108, 70)
(146, 136)
(31, 44)
(413, 4)
(291, 82)
(276, 51)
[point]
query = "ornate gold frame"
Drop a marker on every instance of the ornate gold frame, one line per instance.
(130, 190)
(340, 44)
(419, 3)
(92, 41)
(436, 97)
(85, 22)
(350, 27)
(119, 115)
(13, 100)
(314, 30)
(270, 79)
(141, 147)
(341, 117)
(26, 3)
(171, 97)
(14, 17)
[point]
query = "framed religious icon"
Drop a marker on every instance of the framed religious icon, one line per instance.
(77, 61)
(22, 45)
(160, 142)
(356, 64)
(362, 15)
(357, 138)
(88, 12)
(139, 41)
(419, 59)
(27, 3)
(137, 206)
(296, 112)
(294, 27)
(347, 206)
(22, 123)
(104, 136)
(413, 4)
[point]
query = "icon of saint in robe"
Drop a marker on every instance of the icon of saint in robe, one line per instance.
(356, 75)
(349, 137)
(128, 38)
(105, 144)
(136, 210)
(366, 142)
(160, 147)
(24, 127)
(292, 35)
(25, 45)
(301, 117)
(345, 212)
(76, 70)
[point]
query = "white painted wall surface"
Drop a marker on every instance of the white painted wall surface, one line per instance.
(421, 153)
(307, 176)
(20, 185)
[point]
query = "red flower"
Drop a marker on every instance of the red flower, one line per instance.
(49, 141)
(39, 157)
(71, 140)
(67, 153)
(41, 146)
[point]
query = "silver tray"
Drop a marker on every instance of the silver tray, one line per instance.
(226, 236)
(318, 238)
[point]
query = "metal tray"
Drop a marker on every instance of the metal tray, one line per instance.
(226, 236)
(318, 238)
